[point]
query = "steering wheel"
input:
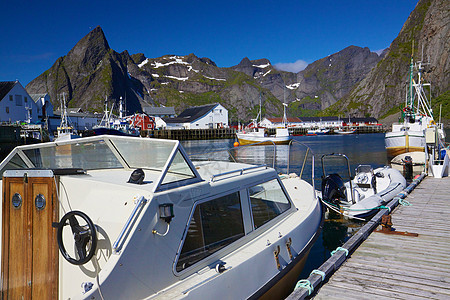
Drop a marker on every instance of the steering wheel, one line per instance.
(85, 237)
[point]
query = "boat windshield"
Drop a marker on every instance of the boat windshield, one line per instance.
(104, 152)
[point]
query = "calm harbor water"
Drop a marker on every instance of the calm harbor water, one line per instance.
(359, 148)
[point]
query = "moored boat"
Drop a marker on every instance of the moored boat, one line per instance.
(409, 135)
(259, 135)
(110, 125)
(65, 131)
(136, 218)
(345, 131)
(363, 195)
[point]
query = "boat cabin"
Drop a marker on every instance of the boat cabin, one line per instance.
(135, 217)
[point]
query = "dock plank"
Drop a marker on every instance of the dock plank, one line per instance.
(402, 267)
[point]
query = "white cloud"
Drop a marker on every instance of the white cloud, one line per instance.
(294, 67)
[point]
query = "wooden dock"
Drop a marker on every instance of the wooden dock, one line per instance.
(392, 266)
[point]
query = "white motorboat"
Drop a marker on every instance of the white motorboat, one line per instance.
(409, 136)
(135, 218)
(363, 195)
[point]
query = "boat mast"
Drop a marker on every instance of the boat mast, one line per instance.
(260, 113)
(63, 114)
(285, 121)
(120, 109)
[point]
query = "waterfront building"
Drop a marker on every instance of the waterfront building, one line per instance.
(278, 122)
(161, 112)
(44, 106)
(16, 105)
(77, 118)
(200, 117)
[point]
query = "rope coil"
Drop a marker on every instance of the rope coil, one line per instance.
(305, 284)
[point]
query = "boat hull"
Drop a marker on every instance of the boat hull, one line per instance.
(401, 142)
(284, 286)
(369, 204)
(247, 139)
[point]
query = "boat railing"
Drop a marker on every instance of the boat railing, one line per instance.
(118, 243)
(236, 172)
(309, 151)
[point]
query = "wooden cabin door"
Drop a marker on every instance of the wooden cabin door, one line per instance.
(29, 246)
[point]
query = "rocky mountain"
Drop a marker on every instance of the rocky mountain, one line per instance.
(92, 72)
(89, 73)
(327, 80)
(425, 35)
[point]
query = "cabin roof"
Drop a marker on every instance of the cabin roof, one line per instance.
(191, 114)
(158, 111)
(37, 97)
(5, 87)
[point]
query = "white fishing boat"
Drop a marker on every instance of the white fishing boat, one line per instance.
(409, 135)
(258, 135)
(65, 131)
(111, 217)
(363, 195)
(110, 125)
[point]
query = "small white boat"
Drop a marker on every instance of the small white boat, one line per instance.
(321, 131)
(345, 131)
(365, 193)
(135, 218)
(259, 135)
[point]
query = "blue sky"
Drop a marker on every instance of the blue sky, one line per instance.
(36, 33)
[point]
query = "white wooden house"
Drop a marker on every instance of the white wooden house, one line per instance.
(16, 105)
(200, 117)
(44, 106)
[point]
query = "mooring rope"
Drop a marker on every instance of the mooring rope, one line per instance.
(339, 249)
(318, 272)
(305, 284)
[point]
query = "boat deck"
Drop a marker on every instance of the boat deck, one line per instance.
(392, 266)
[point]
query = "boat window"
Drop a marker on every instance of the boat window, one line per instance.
(178, 170)
(151, 154)
(267, 201)
(87, 156)
(15, 163)
(214, 225)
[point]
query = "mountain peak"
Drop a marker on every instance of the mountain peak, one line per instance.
(245, 62)
(90, 49)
